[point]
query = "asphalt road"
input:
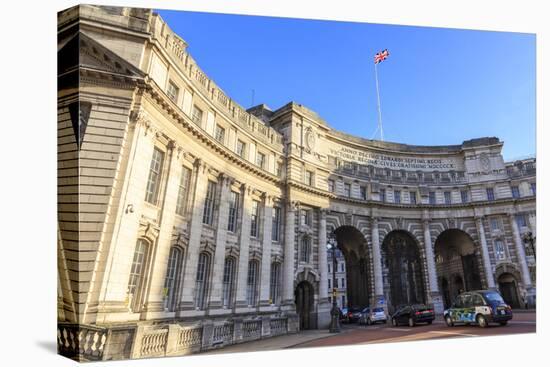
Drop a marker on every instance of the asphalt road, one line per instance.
(385, 333)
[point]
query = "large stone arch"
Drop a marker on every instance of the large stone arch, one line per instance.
(403, 268)
(457, 264)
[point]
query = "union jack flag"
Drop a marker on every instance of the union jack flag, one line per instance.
(381, 56)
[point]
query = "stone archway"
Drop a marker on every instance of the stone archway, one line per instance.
(456, 262)
(403, 268)
(354, 248)
(508, 282)
(304, 296)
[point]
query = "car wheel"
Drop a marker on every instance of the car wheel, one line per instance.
(411, 322)
(481, 321)
(449, 321)
(369, 322)
(503, 323)
(394, 322)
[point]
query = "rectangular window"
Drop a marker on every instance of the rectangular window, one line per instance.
(309, 178)
(363, 192)
(274, 286)
(201, 281)
(343, 282)
(220, 134)
(209, 201)
(464, 196)
(412, 197)
(495, 224)
(276, 223)
(136, 274)
(173, 91)
(383, 195)
(447, 196)
(331, 185)
(342, 267)
(234, 199)
(520, 220)
(254, 218)
(397, 196)
(431, 197)
(174, 264)
(196, 115)
(329, 284)
(490, 194)
(241, 148)
(183, 190)
(260, 159)
(228, 276)
(306, 217)
(347, 190)
(533, 188)
(343, 301)
(515, 192)
(500, 253)
(279, 170)
(251, 288)
(153, 182)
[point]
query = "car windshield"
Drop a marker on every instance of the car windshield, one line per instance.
(379, 309)
(493, 296)
(419, 307)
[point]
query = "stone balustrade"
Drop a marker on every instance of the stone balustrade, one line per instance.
(81, 342)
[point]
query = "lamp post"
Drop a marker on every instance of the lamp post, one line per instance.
(334, 312)
(529, 239)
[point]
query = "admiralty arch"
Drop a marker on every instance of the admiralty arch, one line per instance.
(187, 222)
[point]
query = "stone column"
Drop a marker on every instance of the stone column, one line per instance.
(155, 295)
(485, 254)
(533, 223)
(377, 262)
(266, 251)
(432, 271)
(195, 225)
(244, 245)
(323, 268)
(288, 264)
(221, 234)
(520, 251)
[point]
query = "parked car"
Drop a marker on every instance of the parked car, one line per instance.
(480, 307)
(371, 316)
(352, 314)
(412, 315)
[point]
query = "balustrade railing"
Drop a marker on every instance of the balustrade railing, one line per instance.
(154, 342)
(252, 329)
(81, 342)
(278, 326)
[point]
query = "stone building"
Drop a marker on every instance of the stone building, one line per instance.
(187, 222)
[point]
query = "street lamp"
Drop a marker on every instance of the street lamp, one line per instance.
(334, 312)
(529, 239)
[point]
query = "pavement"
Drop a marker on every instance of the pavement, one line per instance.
(524, 321)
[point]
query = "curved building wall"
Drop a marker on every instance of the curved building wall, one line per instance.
(195, 211)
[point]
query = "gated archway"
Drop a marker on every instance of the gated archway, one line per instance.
(304, 295)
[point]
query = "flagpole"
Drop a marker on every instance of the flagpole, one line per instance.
(378, 99)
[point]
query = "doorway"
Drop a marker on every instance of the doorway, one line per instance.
(304, 304)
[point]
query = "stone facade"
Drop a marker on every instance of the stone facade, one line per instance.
(188, 223)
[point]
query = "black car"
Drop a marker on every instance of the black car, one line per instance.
(481, 307)
(352, 314)
(412, 315)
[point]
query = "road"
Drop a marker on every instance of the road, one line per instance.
(385, 333)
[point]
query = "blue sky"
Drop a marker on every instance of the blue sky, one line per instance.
(439, 86)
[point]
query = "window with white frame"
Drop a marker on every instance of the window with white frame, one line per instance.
(137, 274)
(254, 219)
(155, 171)
(234, 199)
(183, 190)
(275, 223)
(275, 283)
(228, 281)
(500, 252)
(241, 148)
(201, 282)
(196, 115)
(209, 203)
(252, 283)
(515, 192)
(220, 134)
(305, 249)
(260, 159)
(175, 260)
(173, 91)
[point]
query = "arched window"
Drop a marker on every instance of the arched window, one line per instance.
(275, 284)
(171, 281)
(252, 283)
(201, 284)
(137, 275)
(228, 280)
(305, 249)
